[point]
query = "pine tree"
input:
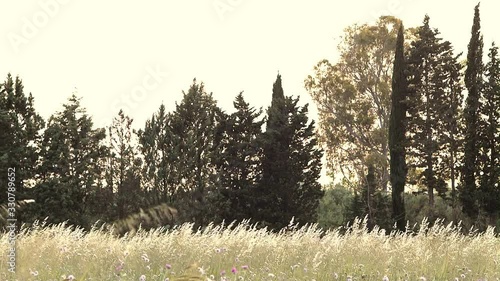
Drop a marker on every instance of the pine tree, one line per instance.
(73, 154)
(194, 123)
(123, 170)
(159, 146)
(397, 131)
(432, 87)
(489, 188)
(238, 163)
(452, 129)
(474, 85)
(19, 137)
(291, 164)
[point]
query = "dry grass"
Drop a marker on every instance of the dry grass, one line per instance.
(245, 253)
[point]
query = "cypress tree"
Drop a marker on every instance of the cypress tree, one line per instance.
(398, 169)
(291, 164)
(473, 83)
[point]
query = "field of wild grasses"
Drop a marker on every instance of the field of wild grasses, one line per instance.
(245, 253)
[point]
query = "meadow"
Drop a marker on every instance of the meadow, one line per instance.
(242, 252)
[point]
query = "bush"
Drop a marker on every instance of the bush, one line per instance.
(333, 209)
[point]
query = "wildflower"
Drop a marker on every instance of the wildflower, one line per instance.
(167, 279)
(119, 267)
(233, 270)
(462, 275)
(349, 278)
(385, 278)
(270, 275)
(244, 267)
(217, 250)
(456, 279)
(168, 266)
(145, 257)
(335, 275)
(34, 273)
(70, 278)
(201, 270)
(142, 278)
(422, 278)
(223, 272)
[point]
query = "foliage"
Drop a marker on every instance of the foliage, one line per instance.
(333, 208)
(71, 173)
(291, 164)
(123, 172)
(159, 146)
(20, 137)
(433, 102)
(474, 85)
(239, 161)
(194, 124)
(489, 188)
(353, 100)
(397, 132)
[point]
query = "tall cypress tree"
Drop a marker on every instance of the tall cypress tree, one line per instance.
(397, 131)
(473, 83)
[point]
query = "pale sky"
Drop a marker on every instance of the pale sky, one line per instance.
(137, 54)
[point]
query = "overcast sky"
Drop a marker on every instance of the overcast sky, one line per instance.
(137, 54)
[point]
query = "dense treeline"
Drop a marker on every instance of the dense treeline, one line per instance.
(398, 112)
(207, 164)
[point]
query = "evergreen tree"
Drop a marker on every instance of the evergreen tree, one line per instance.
(397, 131)
(123, 169)
(238, 163)
(474, 85)
(73, 154)
(452, 129)
(159, 146)
(432, 85)
(489, 188)
(194, 123)
(20, 127)
(291, 164)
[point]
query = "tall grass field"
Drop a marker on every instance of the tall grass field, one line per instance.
(243, 252)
